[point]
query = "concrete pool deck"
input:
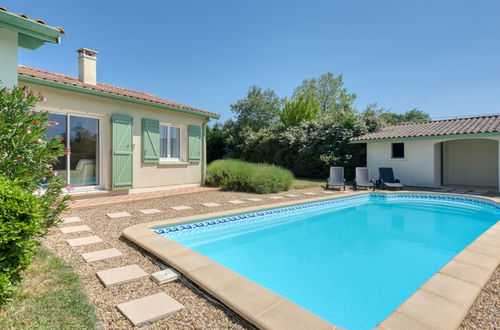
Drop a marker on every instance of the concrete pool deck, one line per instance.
(442, 302)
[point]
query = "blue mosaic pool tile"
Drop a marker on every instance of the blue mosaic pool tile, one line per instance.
(341, 201)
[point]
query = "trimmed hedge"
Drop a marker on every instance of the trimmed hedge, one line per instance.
(21, 219)
(237, 175)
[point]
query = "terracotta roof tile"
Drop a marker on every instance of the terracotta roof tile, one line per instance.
(470, 125)
(61, 30)
(69, 80)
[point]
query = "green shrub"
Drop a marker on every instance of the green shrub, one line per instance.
(27, 157)
(21, 219)
(30, 189)
(232, 174)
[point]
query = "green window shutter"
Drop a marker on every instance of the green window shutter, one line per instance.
(194, 136)
(150, 141)
(122, 151)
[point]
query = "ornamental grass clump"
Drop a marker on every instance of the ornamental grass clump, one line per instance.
(30, 189)
(237, 175)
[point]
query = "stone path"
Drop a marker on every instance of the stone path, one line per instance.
(150, 211)
(75, 229)
(138, 311)
(74, 242)
(118, 215)
(181, 208)
(149, 309)
(121, 275)
(70, 220)
(210, 204)
(101, 255)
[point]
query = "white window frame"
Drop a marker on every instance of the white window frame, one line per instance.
(169, 158)
(99, 171)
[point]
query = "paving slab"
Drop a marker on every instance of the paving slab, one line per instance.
(70, 220)
(292, 195)
(254, 199)
(165, 276)
(117, 215)
(121, 275)
(181, 208)
(150, 211)
(309, 193)
(101, 254)
(75, 229)
(210, 204)
(74, 242)
(149, 309)
(276, 197)
(236, 201)
(328, 192)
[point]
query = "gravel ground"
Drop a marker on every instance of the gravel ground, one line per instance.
(199, 313)
(485, 312)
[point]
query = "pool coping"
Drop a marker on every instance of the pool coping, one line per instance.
(442, 302)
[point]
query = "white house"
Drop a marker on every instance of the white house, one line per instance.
(120, 139)
(461, 152)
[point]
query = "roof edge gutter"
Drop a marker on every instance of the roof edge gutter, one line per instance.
(83, 90)
(433, 137)
(29, 27)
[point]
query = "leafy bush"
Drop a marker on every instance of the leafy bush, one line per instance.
(30, 190)
(21, 219)
(27, 158)
(232, 174)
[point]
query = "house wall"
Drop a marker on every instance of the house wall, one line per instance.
(8, 58)
(470, 162)
(418, 168)
(144, 174)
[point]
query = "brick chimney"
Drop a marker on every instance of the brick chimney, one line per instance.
(87, 72)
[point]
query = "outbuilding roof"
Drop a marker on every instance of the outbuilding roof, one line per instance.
(25, 73)
(457, 126)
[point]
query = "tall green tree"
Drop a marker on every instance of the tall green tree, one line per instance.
(303, 106)
(334, 100)
(258, 109)
(413, 115)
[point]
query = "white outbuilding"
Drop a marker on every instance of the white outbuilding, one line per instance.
(461, 152)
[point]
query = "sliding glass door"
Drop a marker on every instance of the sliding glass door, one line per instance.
(81, 136)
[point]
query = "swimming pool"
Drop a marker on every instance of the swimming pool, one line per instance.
(350, 260)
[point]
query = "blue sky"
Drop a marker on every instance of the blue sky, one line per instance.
(439, 56)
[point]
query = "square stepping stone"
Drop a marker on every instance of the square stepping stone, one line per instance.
(121, 275)
(118, 215)
(236, 201)
(101, 254)
(70, 220)
(165, 276)
(310, 193)
(210, 204)
(149, 309)
(254, 199)
(276, 197)
(150, 211)
(292, 195)
(74, 242)
(75, 229)
(181, 208)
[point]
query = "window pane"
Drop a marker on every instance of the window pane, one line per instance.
(163, 142)
(58, 131)
(174, 142)
(84, 150)
(398, 150)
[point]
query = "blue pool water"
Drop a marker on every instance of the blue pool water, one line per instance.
(352, 260)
